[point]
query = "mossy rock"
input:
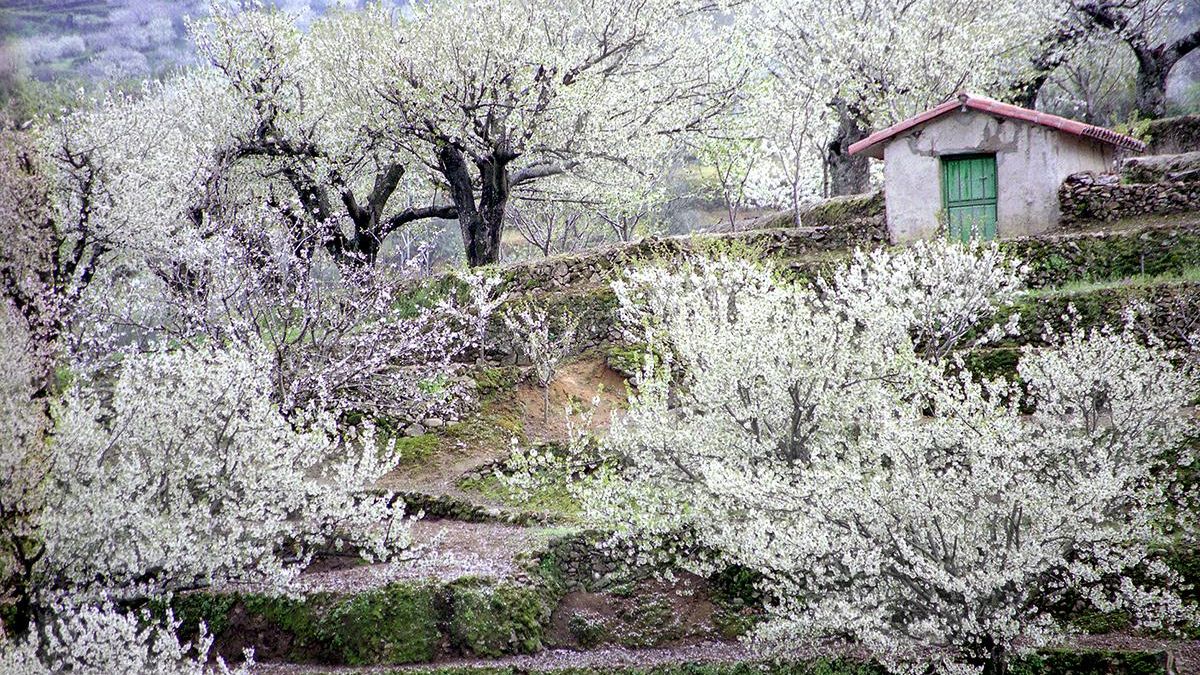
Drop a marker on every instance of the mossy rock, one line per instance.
(390, 625)
(487, 619)
(1161, 168)
(1172, 134)
(415, 449)
(626, 359)
(393, 624)
(992, 363)
(842, 210)
(493, 380)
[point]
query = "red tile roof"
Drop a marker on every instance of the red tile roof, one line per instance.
(871, 145)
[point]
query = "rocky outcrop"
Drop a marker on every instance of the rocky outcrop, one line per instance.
(1176, 168)
(1173, 134)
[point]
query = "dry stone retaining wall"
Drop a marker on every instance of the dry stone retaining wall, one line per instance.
(595, 267)
(1087, 197)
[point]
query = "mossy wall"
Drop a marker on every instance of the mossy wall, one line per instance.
(486, 619)
(1172, 134)
(1170, 312)
(1054, 260)
(395, 624)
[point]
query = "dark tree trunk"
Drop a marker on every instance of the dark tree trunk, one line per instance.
(1150, 87)
(1025, 92)
(848, 174)
(482, 223)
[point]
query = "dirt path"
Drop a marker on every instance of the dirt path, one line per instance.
(606, 657)
(1183, 657)
(446, 550)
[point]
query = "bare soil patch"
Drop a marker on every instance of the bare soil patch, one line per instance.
(576, 384)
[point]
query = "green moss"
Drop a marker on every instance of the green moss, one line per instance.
(496, 619)
(428, 293)
(1099, 623)
(1145, 251)
(416, 449)
(493, 380)
(840, 210)
(394, 624)
(1165, 309)
(295, 617)
(991, 363)
(210, 608)
(551, 498)
(626, 359)
(1184, 275)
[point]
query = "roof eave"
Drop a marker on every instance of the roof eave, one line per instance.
(873, 145)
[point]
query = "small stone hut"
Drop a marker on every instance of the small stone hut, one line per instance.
(973, 167)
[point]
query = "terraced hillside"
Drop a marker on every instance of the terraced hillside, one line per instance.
(500, 583)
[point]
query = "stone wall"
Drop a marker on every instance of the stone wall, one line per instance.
(1074, 256)
(581, 562)
(597, 266)
(1087, 197)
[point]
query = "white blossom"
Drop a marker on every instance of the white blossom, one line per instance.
(829, 439)
(101, 640)
(186, 475)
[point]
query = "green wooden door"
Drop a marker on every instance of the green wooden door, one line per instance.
(969, 196)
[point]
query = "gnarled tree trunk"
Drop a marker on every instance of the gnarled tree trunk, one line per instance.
(482, 223)
(848, 174)
(1154, 61)
(1150, 86)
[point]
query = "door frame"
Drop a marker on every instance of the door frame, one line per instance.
(944, 187)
